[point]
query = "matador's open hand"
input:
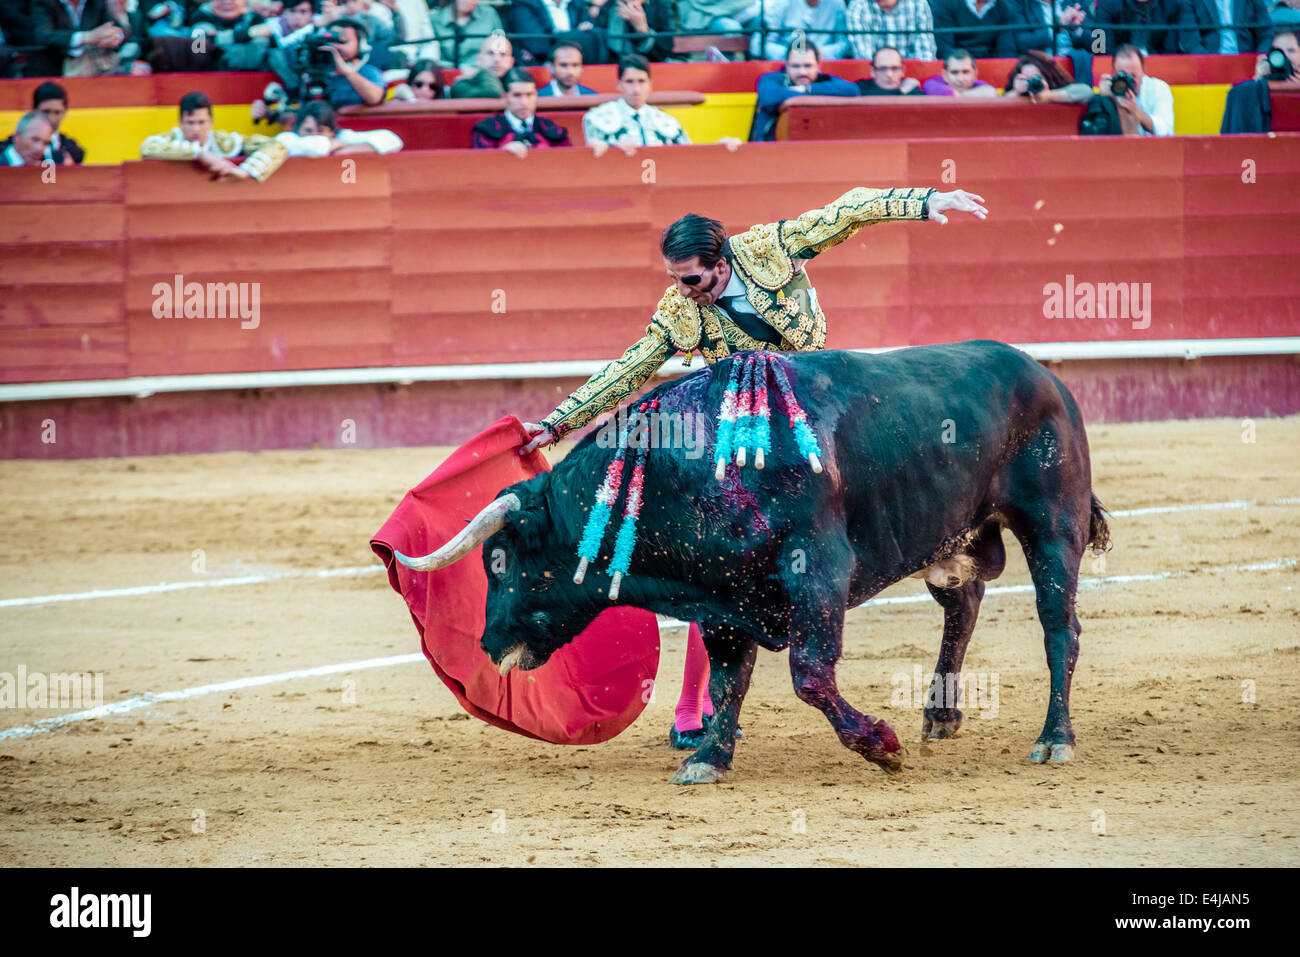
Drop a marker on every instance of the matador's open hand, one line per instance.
(958, 200)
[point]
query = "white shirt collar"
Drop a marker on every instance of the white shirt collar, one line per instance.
(518, 125)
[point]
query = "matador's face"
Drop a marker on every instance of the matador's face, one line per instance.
(697, 282)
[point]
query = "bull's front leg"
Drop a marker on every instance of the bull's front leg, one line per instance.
(817, 625)
(731, 662)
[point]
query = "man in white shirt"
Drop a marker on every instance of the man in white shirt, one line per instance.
(630, 121)
(1151, 105)
(30, 139)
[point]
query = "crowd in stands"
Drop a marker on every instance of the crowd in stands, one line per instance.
(93, 37)
(337, 53)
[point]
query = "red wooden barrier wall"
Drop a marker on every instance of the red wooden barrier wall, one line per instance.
(466, 258)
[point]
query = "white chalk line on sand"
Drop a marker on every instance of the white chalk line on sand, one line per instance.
(365, 569)
(237, 684)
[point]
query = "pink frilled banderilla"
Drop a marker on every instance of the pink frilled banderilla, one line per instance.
(745, 419)
(594, 532)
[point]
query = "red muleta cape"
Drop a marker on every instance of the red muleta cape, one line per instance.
(590, 689)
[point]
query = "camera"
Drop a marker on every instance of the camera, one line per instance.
(1279, 66)
(1035, 84)
(1121, 83)
(313, 64)
(314, 55)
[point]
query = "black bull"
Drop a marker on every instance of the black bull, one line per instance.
(928, 453)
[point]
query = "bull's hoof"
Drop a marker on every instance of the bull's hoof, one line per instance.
(1045, 752)
(697, 772)
(935, 726)
(891, 761)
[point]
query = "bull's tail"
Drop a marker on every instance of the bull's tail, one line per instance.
(1098, 529)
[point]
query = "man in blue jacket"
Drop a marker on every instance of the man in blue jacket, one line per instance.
(802, 76)
(1225, 26)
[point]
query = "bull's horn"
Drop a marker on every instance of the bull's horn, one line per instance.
(511, 659)
(481, 527)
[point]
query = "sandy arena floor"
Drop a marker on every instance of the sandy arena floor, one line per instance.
(1177, 766)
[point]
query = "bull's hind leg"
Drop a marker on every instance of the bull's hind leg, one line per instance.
(817, 624)
(1054, 567)
(731, 662)
(961, 607)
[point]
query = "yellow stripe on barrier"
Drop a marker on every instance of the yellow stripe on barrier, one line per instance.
(114, 135)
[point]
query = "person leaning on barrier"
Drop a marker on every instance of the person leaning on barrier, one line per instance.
(519, 129)
(195, 140)
(316, 134)
(903, 25)
(1037, 79)
(802, 76)
(887, 77)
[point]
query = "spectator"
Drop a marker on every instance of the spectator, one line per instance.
(958, 78)
(625, 26)
(1149, 109)
(196, 140)
(1061, 26)
(1285, 14)
(78, 40)
(461, 27)
(355, 81)
(887, 77)
(802, 76)
(1145, 25)
(294, 22)
(736, 17)
(413, 29)
(629, 121)
(15, 31)
(819, 21)
(1224, 26)
(316, 134)
(978, 24)
(903, 25)
(30, 140)
(566, 70)
(1287, 42)
(518, 129)
(495, 60)
(424, 83)
(549, 22)
(1248, 108)
(51, 101)
(240, 37)
(1056, 87)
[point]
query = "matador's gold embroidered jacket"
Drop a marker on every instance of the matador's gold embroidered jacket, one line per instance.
(265, 155)
(768, 260)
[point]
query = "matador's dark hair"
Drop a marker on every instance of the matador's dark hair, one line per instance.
(693, 235)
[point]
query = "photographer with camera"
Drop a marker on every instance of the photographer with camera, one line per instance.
(1145, 103)
(328, 64)
(1282, 63)
(1037, 79)
(1249, 108)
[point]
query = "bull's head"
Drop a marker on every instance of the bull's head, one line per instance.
(533, 606)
